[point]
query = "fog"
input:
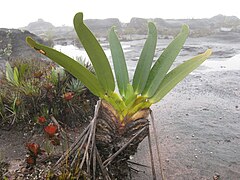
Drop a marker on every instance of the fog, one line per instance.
(16, 13)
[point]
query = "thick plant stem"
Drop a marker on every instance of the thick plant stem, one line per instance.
(109, 160)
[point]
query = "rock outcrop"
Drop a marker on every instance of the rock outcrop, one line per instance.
(101, 26)
(136, 27)
(14, 46)
(39, 27)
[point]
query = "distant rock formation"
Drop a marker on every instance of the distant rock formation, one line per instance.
(137, 26)
(198, 27)
(102, 26)
(39, 27)
(14, 46)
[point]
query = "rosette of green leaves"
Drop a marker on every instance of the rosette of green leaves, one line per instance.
(151, 82)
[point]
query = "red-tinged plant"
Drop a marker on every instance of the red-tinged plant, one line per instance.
(68, 96)
(41, 120)
(34, 149)
(51, 130)
(31, 160)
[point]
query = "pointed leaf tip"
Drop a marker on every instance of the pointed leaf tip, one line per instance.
(79, 17)
(30, 41)
(164, 62)
(72, 66)
(95, 53)
(145, 61)
(185, 28)
(152, 28)
(178, 74)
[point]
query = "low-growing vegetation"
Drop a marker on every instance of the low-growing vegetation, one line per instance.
(35, 88)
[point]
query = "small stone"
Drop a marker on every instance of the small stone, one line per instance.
(187, 114)
(167, 160)
(216, 176)
(236, 106)
(177, 137)
(220, 117)
(23, 169)
(196, 156)
(193, 135)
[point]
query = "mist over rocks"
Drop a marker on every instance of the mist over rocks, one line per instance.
(167, 28)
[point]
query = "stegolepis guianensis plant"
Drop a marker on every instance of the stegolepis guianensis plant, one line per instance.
(120, 118)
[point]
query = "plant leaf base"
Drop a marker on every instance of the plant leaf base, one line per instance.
(103, 149)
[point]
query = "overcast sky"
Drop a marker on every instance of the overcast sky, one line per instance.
(18, 13)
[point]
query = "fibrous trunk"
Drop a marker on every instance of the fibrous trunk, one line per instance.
(103, 149)
(111, 136)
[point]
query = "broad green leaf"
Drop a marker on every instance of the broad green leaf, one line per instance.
(95, 53)
(116, 101)
(178, 74)
(164, 62)
(22, 70)
(16, 76)
(130, 96)
(119, 63)
(72, 66)
(9, 73)
(145, 61)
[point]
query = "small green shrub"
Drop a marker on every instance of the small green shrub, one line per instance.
(33, 88)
